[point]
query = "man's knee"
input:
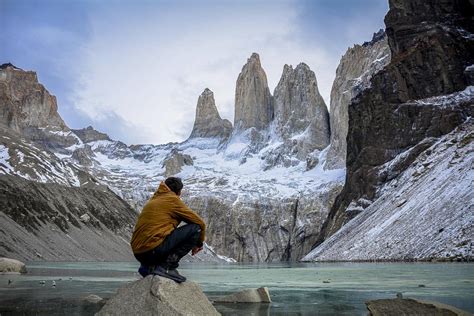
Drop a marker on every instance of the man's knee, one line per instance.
(195, 228)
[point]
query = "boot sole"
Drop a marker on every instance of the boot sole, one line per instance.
(166, 275)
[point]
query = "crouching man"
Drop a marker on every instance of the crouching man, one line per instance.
(157, 241)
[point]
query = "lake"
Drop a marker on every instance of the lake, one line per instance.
(295, 288)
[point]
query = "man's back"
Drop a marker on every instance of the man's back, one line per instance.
(160, 216)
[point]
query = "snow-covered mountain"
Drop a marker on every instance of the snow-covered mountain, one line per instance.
(273, 185)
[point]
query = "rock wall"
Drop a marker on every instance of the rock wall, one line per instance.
(263, 229)
(208, 122)
(431, 46)
(353, 75)
(253, 101)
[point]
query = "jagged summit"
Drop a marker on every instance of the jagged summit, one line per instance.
(298, 103)
(9, 65)
(253, 101)
(208, 122)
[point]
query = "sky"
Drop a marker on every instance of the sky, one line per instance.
(135, 69)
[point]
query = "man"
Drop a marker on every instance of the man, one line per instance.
(157, 241)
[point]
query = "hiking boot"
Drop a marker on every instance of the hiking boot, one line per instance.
(144, 270)
(170, 274)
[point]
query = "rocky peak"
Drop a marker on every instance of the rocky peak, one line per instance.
(208, 122)
(353, 75)
(298, 104)
(253, 101)
(24, 102)
(89, 134)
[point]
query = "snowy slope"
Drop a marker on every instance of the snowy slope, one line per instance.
(427, 212)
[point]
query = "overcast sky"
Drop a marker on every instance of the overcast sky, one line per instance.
(135, 69)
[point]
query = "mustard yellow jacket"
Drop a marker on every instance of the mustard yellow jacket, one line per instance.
(159, 217)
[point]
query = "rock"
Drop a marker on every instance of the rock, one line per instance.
(260, 295)
(85, 218)
(208, 122)
(8, 265)
(399, 295)
(408, 306)
(469, 74)
(89, 134)
(154, 295)
(356, 68)
(92, 298)
(253, 101)
(384, 121)
(174, 162)
(297, 104)
(83, 155)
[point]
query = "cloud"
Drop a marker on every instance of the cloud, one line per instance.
(150, 67)
(143, 64)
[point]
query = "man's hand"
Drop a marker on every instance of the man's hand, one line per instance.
(196, 250)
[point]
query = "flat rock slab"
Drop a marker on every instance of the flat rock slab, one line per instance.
(155, 295)
(11, 266)
(260, 295)
(408, 306)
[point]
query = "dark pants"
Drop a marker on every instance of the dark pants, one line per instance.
(173, 248)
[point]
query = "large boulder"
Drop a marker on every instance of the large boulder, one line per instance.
(155, 295)
(11, 266)
(260, 295)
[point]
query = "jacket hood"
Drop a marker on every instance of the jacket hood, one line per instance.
(162, 188)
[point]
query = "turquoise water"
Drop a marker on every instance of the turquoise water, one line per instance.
(296, 289)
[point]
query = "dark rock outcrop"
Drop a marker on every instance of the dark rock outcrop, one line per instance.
(253, 101)
(175, 161)
(431, 45)
(208, 122)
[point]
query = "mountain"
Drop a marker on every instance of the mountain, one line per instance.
(253, 101)
(407, 181)
(208, 122)
(52, 208)
(356, 68)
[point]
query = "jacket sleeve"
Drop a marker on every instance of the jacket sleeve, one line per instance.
(189, 216)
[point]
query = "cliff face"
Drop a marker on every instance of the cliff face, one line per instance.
(356, 68)
(253, 101)
(26, 103)
(208, 122)
(431, 46)
(299, 107)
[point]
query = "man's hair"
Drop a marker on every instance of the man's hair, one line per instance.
(175, 184)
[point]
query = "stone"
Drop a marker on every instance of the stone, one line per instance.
(253, 101)
(92, 298)
(208, 122)
(155, 295)
(260, 295)
(175, 161)
(297, 104)
(8, 265)
(409, 306)
(85, 218)
(384, 121)
(358, 65)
